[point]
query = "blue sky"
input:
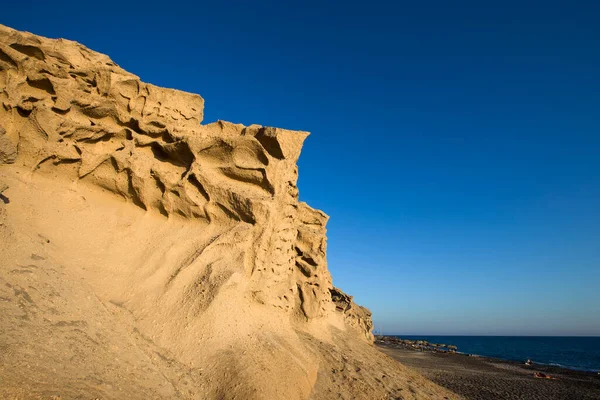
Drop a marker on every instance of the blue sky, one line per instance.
(455, 145)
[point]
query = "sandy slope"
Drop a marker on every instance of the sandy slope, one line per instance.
(147, 256)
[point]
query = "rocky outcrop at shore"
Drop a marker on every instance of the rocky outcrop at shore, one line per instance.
(417, 345)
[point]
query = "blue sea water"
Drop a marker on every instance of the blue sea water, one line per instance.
(581, 353)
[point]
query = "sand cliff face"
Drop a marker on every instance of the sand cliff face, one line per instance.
(73, 112)
(132, 231)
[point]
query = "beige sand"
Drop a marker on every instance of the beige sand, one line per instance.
(144, 255)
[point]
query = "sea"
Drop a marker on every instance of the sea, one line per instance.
(578, 353)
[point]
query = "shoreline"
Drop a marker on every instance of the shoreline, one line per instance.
(386, 340)
(487, 378)
(537, 366)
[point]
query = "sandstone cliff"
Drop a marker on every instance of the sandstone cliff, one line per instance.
(148, 256)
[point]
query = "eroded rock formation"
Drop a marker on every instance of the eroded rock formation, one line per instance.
(72, 111)
(220, 266)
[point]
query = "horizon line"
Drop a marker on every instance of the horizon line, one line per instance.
(488, 335)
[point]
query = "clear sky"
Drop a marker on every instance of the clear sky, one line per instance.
(455, 144)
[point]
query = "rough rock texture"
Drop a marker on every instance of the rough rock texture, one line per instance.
(8, 150)
(355, 316)
(71, 108)
(211, 283)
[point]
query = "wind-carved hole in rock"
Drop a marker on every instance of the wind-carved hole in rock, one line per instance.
(30, 99)
(42, 84)
(254, 177)
(251, 156)
(101, 136)
(84, 76)
(162, 209)
(309, 260)
(196, 183)
(237, 214)
(305, 257)
(23, 113)
(305, 271)
(134, 125)
(157, 124)
(161, 186)
(31, 51)
(59, 110)
(302, 300)
(159, 152)
(228, 212)
(66, 161)
(133, 192)
(181, 153)
(270, 144)
(167, 137)
(7, 59)
(177, 154)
